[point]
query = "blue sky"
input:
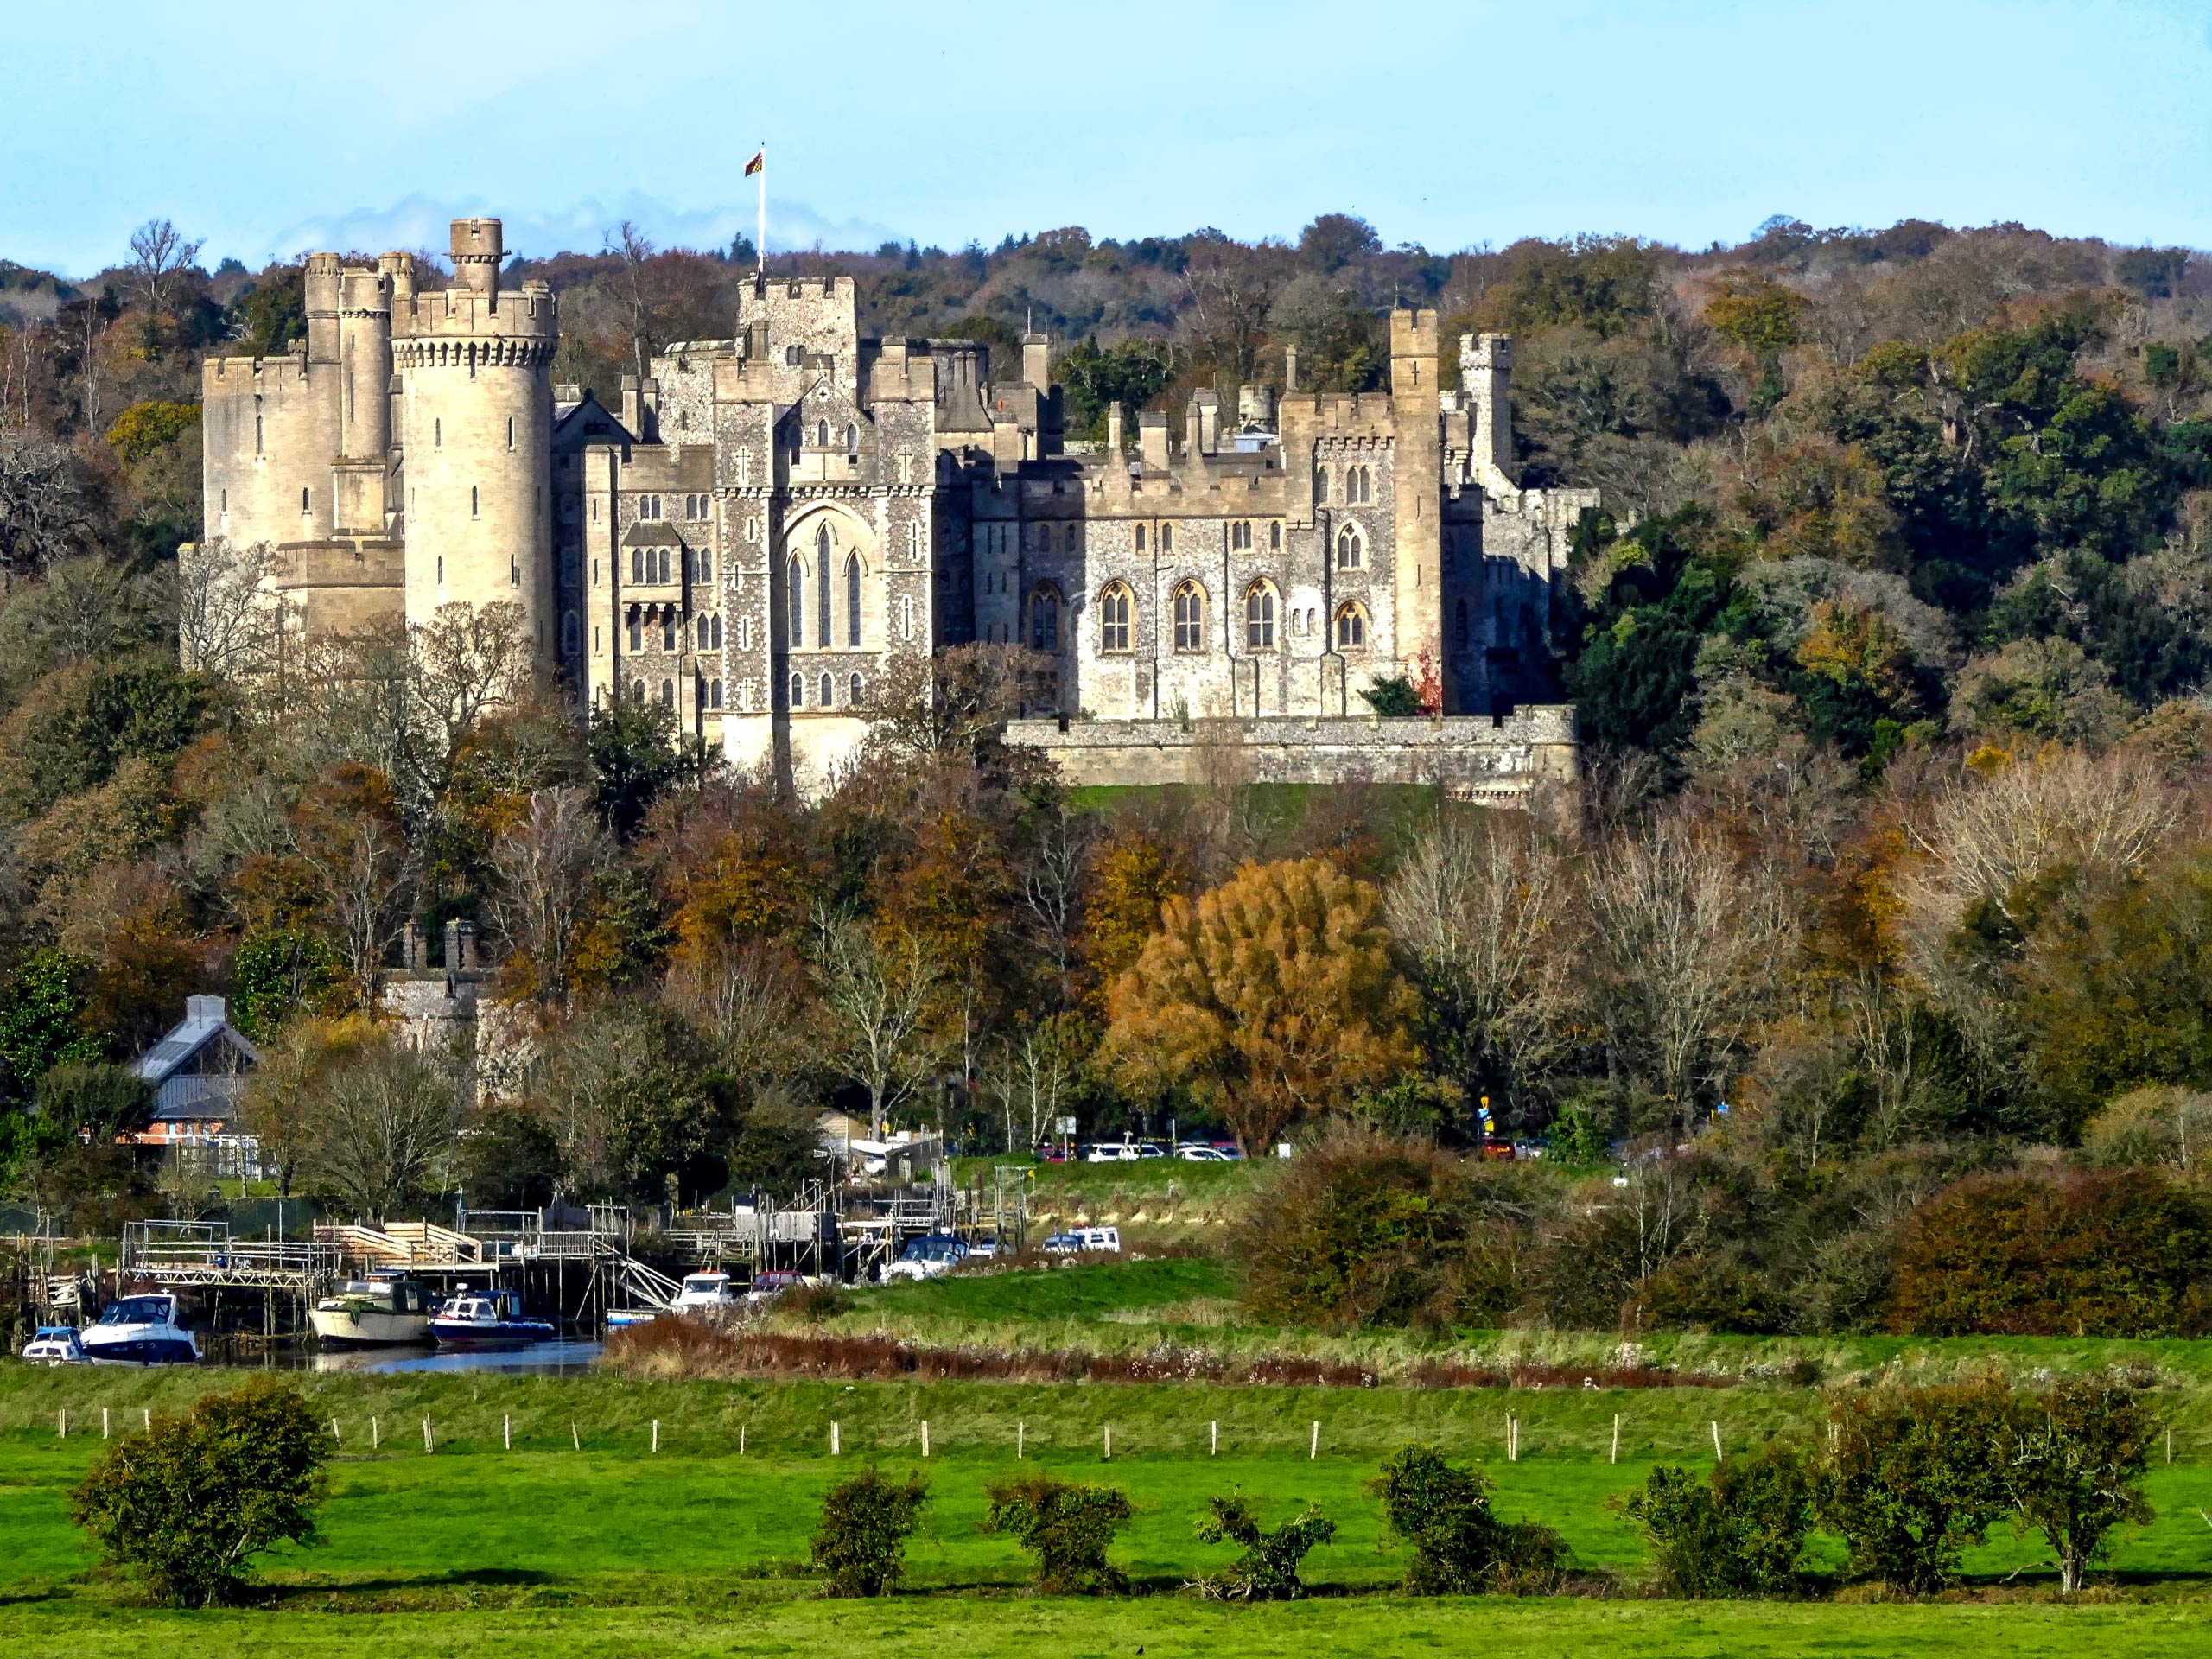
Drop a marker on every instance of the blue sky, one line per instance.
(270, 129)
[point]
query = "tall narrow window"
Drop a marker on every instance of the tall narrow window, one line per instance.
(668, 628)
(798, 690)
(1274, 537)
(795, 581)
(1189, 617)
(706, 634)
(905, 619)
(666, 556)
(1139, 538)
(852, 599)
(715, 644)
(1320, 486)
(713, 694)
(437, 435)
(828, 694)
(510, 431)
(1045, 618)
(853, 691)
(637, 633)
(1069, 541)
(257, 435)
(637, 565)
(668, 694)
(852, 441)
(304, 501)
(706, 564)
(823, 633)
(1168, 538)
(1351, 628)
(1352, 553)
(637, 692)
(1259, 617)
(474, 507)
(822, 435)
(1114, 606)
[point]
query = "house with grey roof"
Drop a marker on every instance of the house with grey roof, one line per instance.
(197, 1073)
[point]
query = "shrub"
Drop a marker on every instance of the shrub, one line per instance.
(1460, 1547)
(1393, 696)
(865, 1524)
(1358, 1230)
(1066, 1527)
(191, 1500)
(1914, 1478)
(2073, 1462)
(1740, 1533)
(1267, 1570)
(2109, 1253)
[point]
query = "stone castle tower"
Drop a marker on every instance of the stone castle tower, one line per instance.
(395, 460)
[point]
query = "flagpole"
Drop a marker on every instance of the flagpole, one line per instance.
(760, 245)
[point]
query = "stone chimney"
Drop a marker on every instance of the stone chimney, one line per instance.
(1113, 427)
(417, 948)
(1037, 360)
(1208, 404)
(1152, 440)
(460, 946)
(633, 408)
(1290, 368)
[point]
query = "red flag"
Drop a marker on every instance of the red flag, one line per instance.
(760, 159)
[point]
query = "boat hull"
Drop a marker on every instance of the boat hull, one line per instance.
(474, 1333)
(142, 1351)
(368, 1328)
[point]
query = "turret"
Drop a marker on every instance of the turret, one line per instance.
(1485, 374)
(474, 371)
(321, 282)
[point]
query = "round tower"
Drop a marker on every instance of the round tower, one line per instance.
(476, 402)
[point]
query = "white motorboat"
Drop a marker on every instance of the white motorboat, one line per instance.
(703, 1291)
(140, 1331)
(382, 1311)
(488, 1319)
(54, 1345)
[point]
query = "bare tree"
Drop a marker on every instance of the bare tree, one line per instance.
(465, 659)
(158, 252)
(1685, 946)
(742, 1001)
(878, 1001)
(1051, 886)
(1032, 1073)
(225, 613)
(544, 870)
(43, 513)
(378, 1125)
(363, 867)
(1482, 909)
(956, 704)
(631, 244)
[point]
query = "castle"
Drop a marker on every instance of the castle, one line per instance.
(767, 519)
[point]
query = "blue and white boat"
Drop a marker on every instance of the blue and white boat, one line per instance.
(140, 1331)
(487, 1318)
(54, 1345)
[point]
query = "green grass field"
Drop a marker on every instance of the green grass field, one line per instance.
(615, 1549)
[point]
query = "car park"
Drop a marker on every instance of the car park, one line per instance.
(1078, 1240)
(927, 1257)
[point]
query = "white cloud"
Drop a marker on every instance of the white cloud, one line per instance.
(420, 221)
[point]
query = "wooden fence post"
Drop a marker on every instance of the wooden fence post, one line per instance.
(376, 1435)
(1110, 1442)
(102, 1422)
(1213, 1438)
(925, 1437)
(1313, 1450)
(656, 1434)
(833, 1437)
(740, 1439)
(506, 1433)
(64, 1421)
(575, 1439)
(147, 1414)
(1718, 1454)
(336, 1436)
(1021, 1439)
(429, 1439)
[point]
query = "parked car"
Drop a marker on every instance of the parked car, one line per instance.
(1078, 1240)
(1053, 1155)
(766, 1287)
(1205, 1152)
(928, 1256)
(1110, 1152)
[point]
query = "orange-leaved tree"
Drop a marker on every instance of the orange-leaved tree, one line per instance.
(1269, 997)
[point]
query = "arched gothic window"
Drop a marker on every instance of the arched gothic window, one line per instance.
(822, 435)
(713, 694)
(1351, 628)
(822, 629)
(853, 691)
(1168, 538)
(795, 579)
(852, 599)
(1070, 541)
(668, 694)
(1189, 617)
(798, 690)
(716, 644)
(1320, 486)
(829, 695)
(706, 632)
(1139, 538)
(906, 618)
(637, 692)
(1352, 551)
(668, 628)
(852, 441)
(1259, 616)
(1274, 537)
(637, 633)
(1114, 607)
(1045, 618)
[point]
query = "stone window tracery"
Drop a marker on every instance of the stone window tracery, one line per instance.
(1351, 627)
(1115, 606)
(1259, 616)
(1189, 602)
(1045, 617)
(1352, 549)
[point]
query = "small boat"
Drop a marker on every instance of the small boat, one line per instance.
(379, 1311)
(54, 1345)
(140, 1331)
(701, 1291)
(623, 1319)
(486, 1319)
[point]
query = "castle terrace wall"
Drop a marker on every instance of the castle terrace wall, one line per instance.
(1469, 757)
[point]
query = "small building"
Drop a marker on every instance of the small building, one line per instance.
(198, 1073)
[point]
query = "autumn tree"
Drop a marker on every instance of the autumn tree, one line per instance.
(876, 1001)
(1270, 998)
(544, 870)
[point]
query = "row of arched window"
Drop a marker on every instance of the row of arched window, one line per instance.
(825, 691)
(708, 692)
(1358, 487)
(1117, 610)
(826, 632)
(659, 565)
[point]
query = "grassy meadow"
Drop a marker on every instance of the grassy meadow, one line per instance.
(582, 1535)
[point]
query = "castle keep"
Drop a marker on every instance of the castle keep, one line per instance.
(767, 519)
